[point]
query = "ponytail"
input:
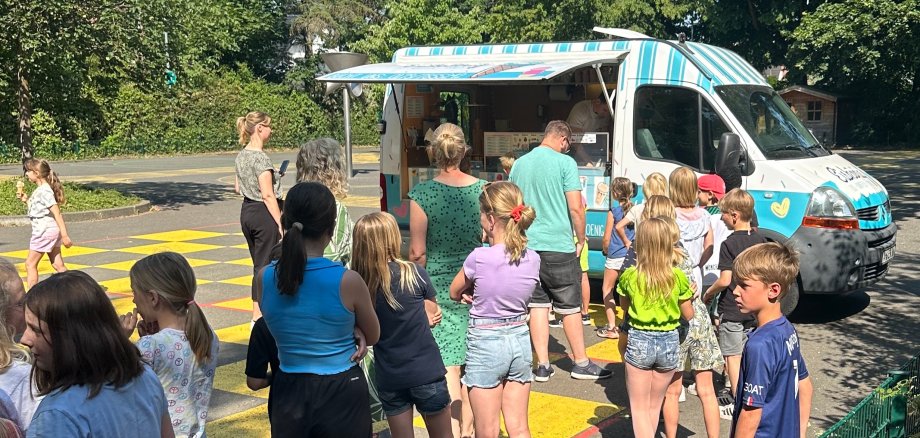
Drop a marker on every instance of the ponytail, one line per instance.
(516, 224)
(169, 275)
(246, 125)
(621, 189)
(504, 201)
(43, 169)
(290, 267)
(56, 187)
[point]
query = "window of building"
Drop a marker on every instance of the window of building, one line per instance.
(814, 110)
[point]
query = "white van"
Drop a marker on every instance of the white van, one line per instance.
(674, 104)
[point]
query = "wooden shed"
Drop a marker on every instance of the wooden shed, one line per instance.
(816, 109)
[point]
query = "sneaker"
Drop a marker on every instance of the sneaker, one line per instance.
(692, 389)
(726, 405)
(591, 371)
(585, 319)
(542, 374)
(726, 412)
(683, 394)
(555, 322)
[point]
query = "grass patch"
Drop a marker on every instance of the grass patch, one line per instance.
(79, 198)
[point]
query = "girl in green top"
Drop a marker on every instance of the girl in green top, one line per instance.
(656, 294)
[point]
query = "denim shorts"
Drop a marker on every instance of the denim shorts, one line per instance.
(429, 398)
(497, 352)
(652, 350)
(560, 283)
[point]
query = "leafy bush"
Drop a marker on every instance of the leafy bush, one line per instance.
(79, 198)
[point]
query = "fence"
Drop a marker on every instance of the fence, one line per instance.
(891, 411)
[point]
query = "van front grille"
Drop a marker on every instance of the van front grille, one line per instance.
(875, 271)
(868, 214)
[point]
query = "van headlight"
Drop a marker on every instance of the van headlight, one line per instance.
(828, 208)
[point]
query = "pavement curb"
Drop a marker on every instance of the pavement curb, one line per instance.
(82, 216)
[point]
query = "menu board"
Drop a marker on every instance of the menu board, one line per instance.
(496, 144)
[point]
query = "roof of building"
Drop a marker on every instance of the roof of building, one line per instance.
(810, 91)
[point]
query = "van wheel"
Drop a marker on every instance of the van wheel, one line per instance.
(791, 300)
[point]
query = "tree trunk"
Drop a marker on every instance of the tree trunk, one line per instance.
(24, 95)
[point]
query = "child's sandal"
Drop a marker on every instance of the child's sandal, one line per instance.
(608, 332)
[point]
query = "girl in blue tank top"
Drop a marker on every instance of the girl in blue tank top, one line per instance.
(313, 306)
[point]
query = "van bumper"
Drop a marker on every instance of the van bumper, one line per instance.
(841, 261)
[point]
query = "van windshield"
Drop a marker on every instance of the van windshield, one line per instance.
(769, 121)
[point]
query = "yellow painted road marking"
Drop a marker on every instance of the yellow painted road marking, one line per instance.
(179, 235)
(245, 280)
(362, 201)
(237, 334)
(179, 247)
(45, 268)
(237, 304)
(232, 378)
(242, 262)
(73, 251)
(553, 416)
(249, 423)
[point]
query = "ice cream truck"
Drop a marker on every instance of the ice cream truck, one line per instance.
(672, 103)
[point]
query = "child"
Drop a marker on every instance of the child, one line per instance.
(737, 207)
(507, 160)
(48, 229)
(711, 191)
(655, 184)
(656, 294)
(499, 280)
(775, 389)
(15, 360)
(176, 340)
(91, 375)
(699, 351)
(409, 369)
(621, 190)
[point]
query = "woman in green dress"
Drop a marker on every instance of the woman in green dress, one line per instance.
(444, 228)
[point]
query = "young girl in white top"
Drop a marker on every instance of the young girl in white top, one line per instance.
(48, 229)
(176, 340)
(499, 280)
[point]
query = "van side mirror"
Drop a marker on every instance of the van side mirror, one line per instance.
(729, 154)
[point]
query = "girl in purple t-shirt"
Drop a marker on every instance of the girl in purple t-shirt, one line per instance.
(498, 281)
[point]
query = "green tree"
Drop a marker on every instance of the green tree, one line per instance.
(868, 51)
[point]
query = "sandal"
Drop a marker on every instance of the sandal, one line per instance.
(608, 332)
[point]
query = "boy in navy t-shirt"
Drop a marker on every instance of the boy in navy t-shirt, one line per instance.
(774, 390)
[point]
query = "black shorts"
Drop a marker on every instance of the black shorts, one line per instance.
(313, 405)
(560, 283)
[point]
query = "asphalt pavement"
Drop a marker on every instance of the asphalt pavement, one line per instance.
(849, 342)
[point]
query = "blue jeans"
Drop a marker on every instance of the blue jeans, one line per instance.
(429, 398)
(498, 350)
(652, 350)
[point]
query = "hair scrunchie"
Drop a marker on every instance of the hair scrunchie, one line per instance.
(516, 212)
(297, 225)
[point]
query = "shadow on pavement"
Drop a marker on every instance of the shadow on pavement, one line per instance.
(172, 195)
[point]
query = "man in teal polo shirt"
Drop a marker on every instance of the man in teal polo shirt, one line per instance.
(549, 180)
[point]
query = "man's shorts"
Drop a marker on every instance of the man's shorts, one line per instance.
(614, 264)
(429, 398)
(560, 283)
(732, 336)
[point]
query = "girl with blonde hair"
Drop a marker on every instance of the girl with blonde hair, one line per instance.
(48, 229)
(409, 370)
(656, 294)
(322, 160)
(621, 191)
(655, 184)
(699, 351)
(15, 360)
(176, 339)
(443, 229)
(498, 281)
(256, 180)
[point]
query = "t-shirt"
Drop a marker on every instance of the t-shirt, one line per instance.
(262, 351)
(249, 165)
(133, 410)
(771, 368)
(187, 382)
(406, 354)
(40, 203)
(719, 233)
(734, 244)
(501, 289)
(645, 314)
(582, 118)
(635, 213)
(616, 249)
(15, 381)
(544, 177)
(694, 226)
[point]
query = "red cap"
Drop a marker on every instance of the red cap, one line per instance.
(712, 183)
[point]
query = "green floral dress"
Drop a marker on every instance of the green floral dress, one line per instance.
(453, 232)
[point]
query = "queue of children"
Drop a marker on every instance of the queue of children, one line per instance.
(319, 318)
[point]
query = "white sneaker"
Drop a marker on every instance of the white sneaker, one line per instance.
(683, 394)
(692, 389)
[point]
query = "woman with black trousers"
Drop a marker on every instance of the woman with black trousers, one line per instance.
(260, 216)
